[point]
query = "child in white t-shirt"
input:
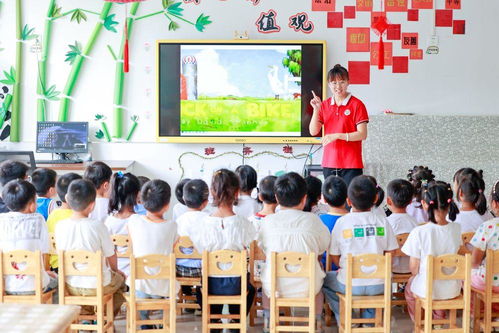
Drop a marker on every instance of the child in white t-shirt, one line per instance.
(179, 208)
(24, 229)
(267, 196)
(124, 191)
(99, 174)
(359, 232)
(151, 234)
(224, 230)
(82, 233)
(418, 176)
(245, 205)
(436, 238)
(400, 193)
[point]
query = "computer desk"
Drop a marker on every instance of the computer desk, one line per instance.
(115, 165)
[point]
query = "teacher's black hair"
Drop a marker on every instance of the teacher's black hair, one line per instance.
(338, 72)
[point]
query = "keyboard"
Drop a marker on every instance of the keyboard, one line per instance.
(58, 161)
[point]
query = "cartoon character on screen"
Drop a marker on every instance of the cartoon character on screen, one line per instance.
(189, 79)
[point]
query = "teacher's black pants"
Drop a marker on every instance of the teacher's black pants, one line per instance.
(346, 174)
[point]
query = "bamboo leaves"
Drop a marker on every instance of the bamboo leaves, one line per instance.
(109, 23)
(10, 77)
(27, 33)
(56, 12)
(74, 51)
(51, 94)
(78, 16)
(173, 26)
(175, 9)
(202, 21)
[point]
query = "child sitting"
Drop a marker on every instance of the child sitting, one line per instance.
(24, 229)
(360, 232)
(400, 194)
(151, 234)
(436, 238)
(334, 192)
(139, 207)
(245, 205)
(312, 204)
(124, 191)
(292, 229)
(224, 230)
(63, 212)
(380, 196)
(418, 177)
(10, 170)
(469, 187)
(44, 182)
(180, 207)
(267, 196)
(99, 174)
(80, 232)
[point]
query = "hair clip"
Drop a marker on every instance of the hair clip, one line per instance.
(432, 202)
(480, 191)
(449, 200)
(120, 174)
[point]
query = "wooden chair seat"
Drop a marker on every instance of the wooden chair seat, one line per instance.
(400, 277)
(445, 304)
(86, 300)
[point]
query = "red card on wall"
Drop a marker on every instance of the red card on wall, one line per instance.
(400, 65)
(359, 72)
(393, 32)
(358, 39)
(416, 54)
(422, 4)
(375, 15)
(335, 20)
(375, 53)
(323, 5)
(349, 12)
(452, 4)
(364, 5)
(459, 27)
(443, 18)
(413, 15)
(396, 5)
(410, 40)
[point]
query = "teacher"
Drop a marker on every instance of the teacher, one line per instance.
(345, 121)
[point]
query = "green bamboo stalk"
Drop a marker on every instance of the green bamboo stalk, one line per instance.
(5, 107)
(119, 81)
(106, 131)
(131, 131)
(15, 122)
(42, 66)
(76, 67)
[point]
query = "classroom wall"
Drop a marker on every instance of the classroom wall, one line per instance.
(460, 80)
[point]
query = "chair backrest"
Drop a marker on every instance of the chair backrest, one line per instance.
(492, 265)
(32, 265)
(369, 266)
(122, 241)
(401, 241)
(224, 262)
(183, 243)
(466, 239)
(293, 264)
(447, 267)
(154, 266)
(52, 244)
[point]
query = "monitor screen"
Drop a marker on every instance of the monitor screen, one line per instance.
(62, 137)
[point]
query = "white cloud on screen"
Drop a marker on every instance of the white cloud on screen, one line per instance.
(213, 78)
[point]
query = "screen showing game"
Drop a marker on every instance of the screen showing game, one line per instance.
(238, 90)
(62, 137)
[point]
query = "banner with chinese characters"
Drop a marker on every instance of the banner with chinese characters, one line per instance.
(396, 5)
(358, 39)
(422, 4)
(388, 50)
(364, 5)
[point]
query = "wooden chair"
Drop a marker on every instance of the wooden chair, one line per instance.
(348, 302)
(466, 247)
(328, 314)
(52, 247)
(33, 262)
(166, 271)
(400, 278)
(462, 265)
(211, 267)
(187, 301)
(483, 321)
(122, 245)
(304, 268)
(256, 254)
(103, 304)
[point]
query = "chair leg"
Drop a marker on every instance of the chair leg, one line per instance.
(252, 313)
(342, 316)
(487, 317)
(110, 315)
(428, 318)
(417, 317)
(452, 318)
(100, 319)
(476, 313)
(378, 317)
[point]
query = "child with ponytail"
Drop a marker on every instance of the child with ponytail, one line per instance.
(436, 238)
(418, 177)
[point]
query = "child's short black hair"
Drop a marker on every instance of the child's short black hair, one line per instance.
(125, 188)
(290, 189)
(362, 193)
(247, 177)
(155, 195)
(17, 194)
(179, 190)
(401, 192)
(314, 186)
(142, 180)
(63, 184)
(334, 191)
(10, 170)
(43, 179)
(266, 190)
(195, 192)
(98, 173)
(81, 193)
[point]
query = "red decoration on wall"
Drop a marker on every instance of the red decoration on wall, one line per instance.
(358, 39)
(396, 5)
(416, 54)
(388, 51)
(209, 151)
(443, 18)
(410, 40)
(364, 5)
(359, 72)
(247, 151)
(379, 26)
(266, 23)
(459, 27)
(349, 12)
(413, 15)
(422, 4)
(393, 32)
(400, 65)
(323, 5)
(300, 23)
(287, 149)
(375, 15)
(452, 4)
(335, 20)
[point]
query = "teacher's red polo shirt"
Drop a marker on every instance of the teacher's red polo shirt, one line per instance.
(343, 118)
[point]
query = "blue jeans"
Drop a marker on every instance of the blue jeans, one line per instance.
(144, 314)
(332, 286)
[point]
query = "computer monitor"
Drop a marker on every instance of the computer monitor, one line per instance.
(62, 137)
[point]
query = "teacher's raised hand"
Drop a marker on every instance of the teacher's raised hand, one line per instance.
(315, 102)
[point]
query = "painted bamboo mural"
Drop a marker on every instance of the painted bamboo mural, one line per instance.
(15, 122)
